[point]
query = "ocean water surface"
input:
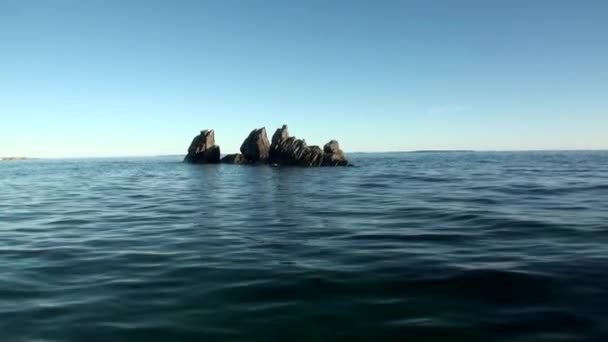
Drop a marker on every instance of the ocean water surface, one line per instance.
(406, 246)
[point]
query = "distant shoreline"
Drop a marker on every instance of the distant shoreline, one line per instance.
(441, 151)
(181, 155)
(14, 158)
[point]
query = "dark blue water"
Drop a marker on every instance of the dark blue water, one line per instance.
(429, 246)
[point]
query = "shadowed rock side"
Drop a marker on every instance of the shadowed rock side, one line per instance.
(256, 146)
(236, 158)
(203, 149)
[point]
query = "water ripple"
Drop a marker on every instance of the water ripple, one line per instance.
(432, 246)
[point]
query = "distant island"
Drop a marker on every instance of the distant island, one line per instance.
(442, 151)
(14, 158)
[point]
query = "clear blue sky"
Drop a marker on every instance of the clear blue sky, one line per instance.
(111, 78)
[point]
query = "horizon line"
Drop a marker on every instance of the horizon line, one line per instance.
(16, 158)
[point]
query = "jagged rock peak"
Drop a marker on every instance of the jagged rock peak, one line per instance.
(280, 135)
(286, 150)
(203, 149)
(256, 147)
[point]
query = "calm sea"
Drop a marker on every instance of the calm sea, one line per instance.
(409, 246)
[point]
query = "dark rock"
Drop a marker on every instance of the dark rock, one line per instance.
(256, 147)
(236, 158)
(286, 150)
(337, 159)
(313, 156)
(333, 155)
(280, 135)
(203, 149)
(332, 147)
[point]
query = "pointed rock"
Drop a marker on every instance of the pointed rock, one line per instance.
(203, 149)
(256, 147)
(280, 135)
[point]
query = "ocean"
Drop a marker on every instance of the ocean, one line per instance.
(468, 246)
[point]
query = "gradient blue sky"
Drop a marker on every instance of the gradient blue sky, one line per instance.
(112, 78)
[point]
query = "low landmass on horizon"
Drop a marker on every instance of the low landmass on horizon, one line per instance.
(14, 158)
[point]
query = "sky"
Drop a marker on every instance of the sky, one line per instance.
(124, 78)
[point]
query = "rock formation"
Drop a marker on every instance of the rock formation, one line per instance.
(333, 155)
(256, 149)
(286, 150)
(236, 158)
(256, 146)
(203, 149)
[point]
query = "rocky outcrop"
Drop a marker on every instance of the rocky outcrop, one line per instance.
(286, 150)
(256, 146)
(256, 149)
(203, 149)
(236, 158)
(333, 155)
